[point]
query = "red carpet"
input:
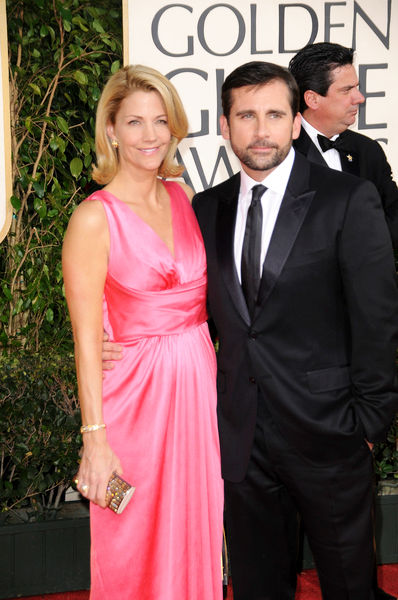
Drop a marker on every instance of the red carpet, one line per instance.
(307, 589)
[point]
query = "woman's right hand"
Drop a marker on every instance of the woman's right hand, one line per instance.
(97, 464)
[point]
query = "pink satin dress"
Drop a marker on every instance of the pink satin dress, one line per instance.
(160, 412)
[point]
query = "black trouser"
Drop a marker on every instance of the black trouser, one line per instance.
(335, 502)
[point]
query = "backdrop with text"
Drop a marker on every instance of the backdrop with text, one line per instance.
(198, 42)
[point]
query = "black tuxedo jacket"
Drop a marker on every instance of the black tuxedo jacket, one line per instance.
(365, 158)
(321, 345)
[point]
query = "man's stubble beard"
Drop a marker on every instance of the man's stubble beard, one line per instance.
(258, 163)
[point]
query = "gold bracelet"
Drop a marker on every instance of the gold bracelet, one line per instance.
(89, 428)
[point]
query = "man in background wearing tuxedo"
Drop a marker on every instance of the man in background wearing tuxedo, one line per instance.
(329, 101)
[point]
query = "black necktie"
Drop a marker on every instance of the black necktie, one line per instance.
(251, 250)
(326, 144)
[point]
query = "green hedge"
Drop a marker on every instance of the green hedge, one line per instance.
(39, 432)
(61, 53)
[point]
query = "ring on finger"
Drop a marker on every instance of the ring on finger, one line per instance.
(84, 488)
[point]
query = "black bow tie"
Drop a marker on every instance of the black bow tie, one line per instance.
(327, 144)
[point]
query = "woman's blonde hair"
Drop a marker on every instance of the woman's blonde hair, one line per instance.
(126, 81)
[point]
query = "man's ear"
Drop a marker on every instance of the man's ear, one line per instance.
(296, 126)
(224, 127)
(311, 99)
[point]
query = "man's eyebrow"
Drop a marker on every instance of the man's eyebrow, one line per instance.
(270, 111)
(349, 87)
(276, 111)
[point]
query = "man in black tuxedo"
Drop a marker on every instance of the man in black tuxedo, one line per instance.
(302, 291)
(329, 100)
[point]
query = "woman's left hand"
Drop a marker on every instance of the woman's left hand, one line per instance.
(97, 464)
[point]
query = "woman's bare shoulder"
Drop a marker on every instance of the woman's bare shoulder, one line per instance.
(187, 189)
(90, 215)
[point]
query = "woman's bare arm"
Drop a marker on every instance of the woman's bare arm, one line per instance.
(84, 260)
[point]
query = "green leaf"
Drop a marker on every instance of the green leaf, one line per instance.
(76, 167)
(15, 202)
(44, 85)
(65, 13)
(115, 66)
(18, 306)
(43, 31)
(54, 143)
(107, 41)
(50, 315)
(40, 207)
(96, 93)
(6, 292)
(79, 21)
(86, 148)
(35, 88)
(62, 124)
(80, 77)
(97, 26)
(52, 33)
(39, 188)
(61, 144)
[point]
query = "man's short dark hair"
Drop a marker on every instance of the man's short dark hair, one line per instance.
(313, 64)
(258, 73)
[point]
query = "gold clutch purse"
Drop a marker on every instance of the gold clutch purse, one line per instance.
(118, 493)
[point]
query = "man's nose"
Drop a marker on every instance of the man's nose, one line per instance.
(358, 97)
(262, 128)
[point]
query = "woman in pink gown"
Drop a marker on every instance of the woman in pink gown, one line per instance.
(134, 265)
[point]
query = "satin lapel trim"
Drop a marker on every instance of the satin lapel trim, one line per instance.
(225, 231)
(315, 156)
(306, 146)
(290, 219)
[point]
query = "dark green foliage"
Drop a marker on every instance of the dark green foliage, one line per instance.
(386, 454)
(39, 432)
(61, 53)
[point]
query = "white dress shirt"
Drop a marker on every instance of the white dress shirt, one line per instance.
(275, 183)
(332, 156)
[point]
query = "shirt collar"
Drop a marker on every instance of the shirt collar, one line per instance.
(313, 133)
(275, 181)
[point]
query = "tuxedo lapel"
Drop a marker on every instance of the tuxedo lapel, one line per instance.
(305, 145)
(225, 232)
(294, 207)
(349, 158)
